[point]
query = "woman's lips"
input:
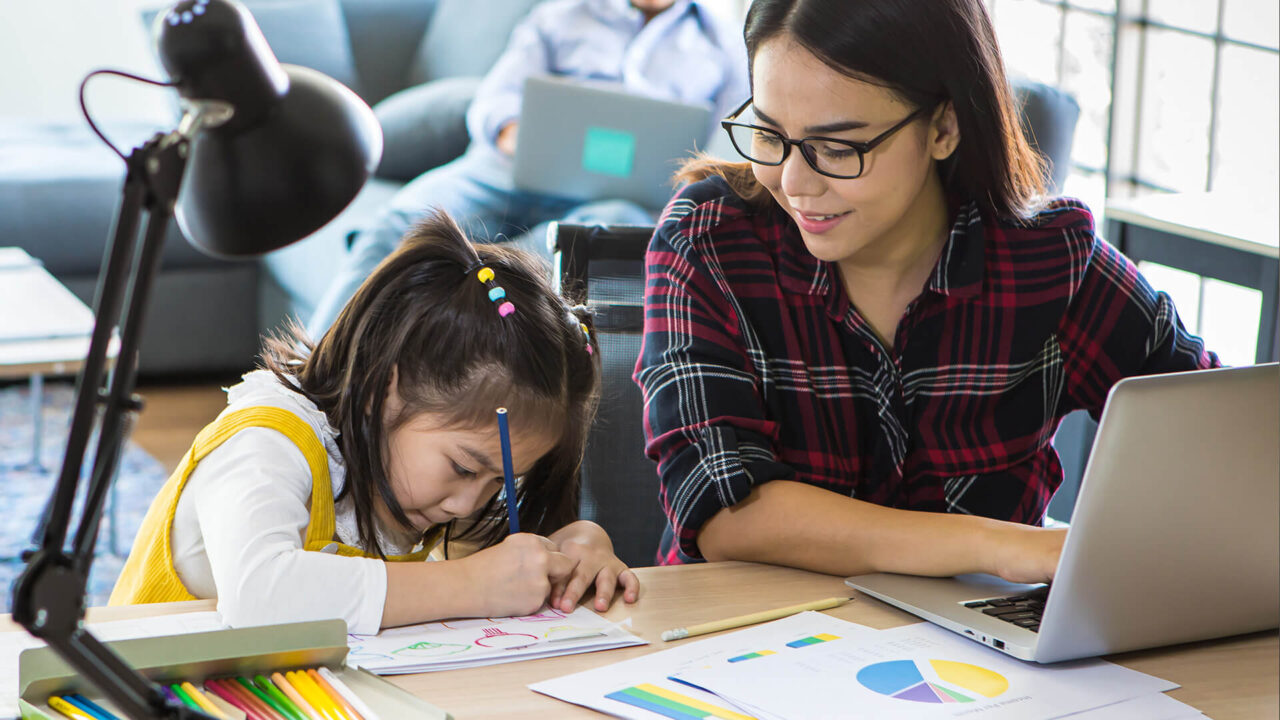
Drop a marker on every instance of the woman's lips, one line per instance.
(817, 223)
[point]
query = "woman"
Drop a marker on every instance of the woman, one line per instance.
(859, 344)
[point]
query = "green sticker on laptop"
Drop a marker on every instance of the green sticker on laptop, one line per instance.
(608, 152)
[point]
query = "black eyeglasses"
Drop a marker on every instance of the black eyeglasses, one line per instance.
(833, 157)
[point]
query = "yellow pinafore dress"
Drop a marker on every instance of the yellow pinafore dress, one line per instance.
(149, 575)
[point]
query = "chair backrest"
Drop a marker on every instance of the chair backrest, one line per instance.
(1049, 118)
(605, 265)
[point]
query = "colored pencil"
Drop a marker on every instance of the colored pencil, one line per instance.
(186, 699)
(338, 698)
(292, 693)
(352, 697)
(744, 620)
(508, 476)
(233, 712)
(331, 705)
(169, 694)
(314, 695)
(281, 699)
(230, 698)
(194, 693)
(264, 697)
(248, 699)
(67, 709)
(89, 707)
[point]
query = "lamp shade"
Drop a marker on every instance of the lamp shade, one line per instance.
(297, 149)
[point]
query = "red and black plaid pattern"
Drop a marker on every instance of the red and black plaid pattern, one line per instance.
(756, 367)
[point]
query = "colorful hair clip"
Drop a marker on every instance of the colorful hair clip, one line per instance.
(587, 334)
(496, 292)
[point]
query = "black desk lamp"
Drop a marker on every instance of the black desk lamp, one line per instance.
(270, 153)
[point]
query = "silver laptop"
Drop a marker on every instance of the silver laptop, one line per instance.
(1175, 535)
(589, 142)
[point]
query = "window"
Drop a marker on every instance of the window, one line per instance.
(1175, 95)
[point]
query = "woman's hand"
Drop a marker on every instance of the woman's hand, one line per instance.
(589, 544)
(515, 576)
(1026, 554)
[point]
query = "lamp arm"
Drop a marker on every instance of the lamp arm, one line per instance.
(48, 598)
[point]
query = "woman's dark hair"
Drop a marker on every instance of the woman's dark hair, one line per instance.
(927, 52)
(424, 316)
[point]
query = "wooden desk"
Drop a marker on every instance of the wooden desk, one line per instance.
(1226, 679)
(1218, 235)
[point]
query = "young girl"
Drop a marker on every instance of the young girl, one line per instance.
(858, 345)
(334, 471)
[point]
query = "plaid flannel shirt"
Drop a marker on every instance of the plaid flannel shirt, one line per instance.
(756, 367)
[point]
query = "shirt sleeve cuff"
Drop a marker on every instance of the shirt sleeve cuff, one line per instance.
(730, 464)
(368, 617)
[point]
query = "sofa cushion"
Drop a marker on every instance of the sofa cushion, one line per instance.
(423, 127)
(60, 189)
(312, 33)
(465, 37)
(385, 35)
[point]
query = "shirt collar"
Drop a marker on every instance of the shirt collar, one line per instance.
(958, 272)
(621, 9)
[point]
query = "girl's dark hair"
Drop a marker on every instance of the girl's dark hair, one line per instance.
(424, 315)
(927, 52)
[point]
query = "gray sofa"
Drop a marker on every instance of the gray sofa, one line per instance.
(417, 62)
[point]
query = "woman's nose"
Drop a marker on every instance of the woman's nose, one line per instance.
(798, 178)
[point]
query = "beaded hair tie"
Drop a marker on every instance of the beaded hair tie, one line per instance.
(496, 294)
(587, 333)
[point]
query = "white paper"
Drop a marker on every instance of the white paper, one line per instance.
(629, 682)
(485, 641)
(1147, 707)
(13, 643)
(918, 671)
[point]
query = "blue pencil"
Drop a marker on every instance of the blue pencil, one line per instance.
(89, 707)
(504, 435)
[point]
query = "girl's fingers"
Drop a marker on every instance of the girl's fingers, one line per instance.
(630, 585)
(606, 585)
(573, 591)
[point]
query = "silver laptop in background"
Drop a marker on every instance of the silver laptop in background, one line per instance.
(1175, 535)
(590, 142)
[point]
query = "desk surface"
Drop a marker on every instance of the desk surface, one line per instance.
(1230, 678)
(1228, 219)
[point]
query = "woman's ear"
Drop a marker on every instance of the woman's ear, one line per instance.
(944, 131)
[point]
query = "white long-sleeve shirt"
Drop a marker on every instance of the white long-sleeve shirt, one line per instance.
(240, 522)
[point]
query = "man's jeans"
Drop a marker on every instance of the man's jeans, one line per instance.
(476, 190)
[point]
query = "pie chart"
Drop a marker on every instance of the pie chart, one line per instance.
(932, 681)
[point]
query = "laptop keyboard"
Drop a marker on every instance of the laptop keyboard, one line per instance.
(1021, 610)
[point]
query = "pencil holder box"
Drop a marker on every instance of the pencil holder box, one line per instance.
(239, 652)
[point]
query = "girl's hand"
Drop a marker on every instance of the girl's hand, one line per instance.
(1028, 554)
(589, 544)
(515, 576)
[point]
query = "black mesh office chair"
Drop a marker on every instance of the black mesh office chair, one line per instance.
(619, 485)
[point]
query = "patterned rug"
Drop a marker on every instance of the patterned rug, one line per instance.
(24, 492)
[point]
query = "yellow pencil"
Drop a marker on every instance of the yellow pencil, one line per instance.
(68, 709)
(752, 619)
(203, 701)
(314, 695)
(292, 693)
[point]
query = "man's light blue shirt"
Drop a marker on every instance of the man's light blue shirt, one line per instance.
(686, 53)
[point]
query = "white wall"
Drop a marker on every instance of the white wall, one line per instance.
(48, 46)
